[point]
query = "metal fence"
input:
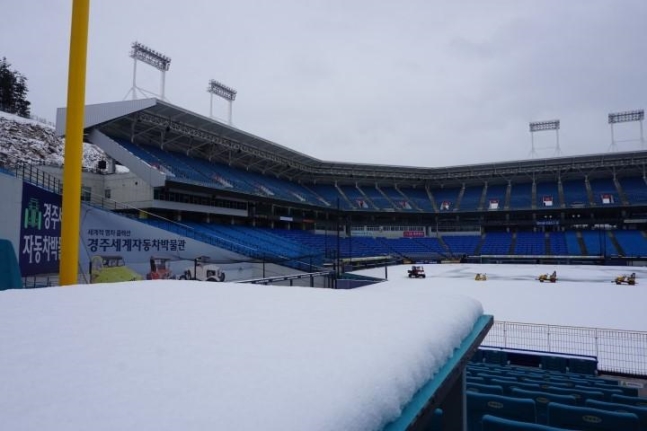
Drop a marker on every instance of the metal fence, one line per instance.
(617, 351)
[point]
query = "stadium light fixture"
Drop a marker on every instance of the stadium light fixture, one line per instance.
(540, 126)
(626, 117)
(215, 88)
(146, 55)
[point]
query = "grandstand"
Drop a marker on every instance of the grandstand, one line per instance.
(211, 176)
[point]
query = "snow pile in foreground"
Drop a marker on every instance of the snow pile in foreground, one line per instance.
(182, 355)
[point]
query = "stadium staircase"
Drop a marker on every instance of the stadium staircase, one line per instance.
(444, 246)
(431, 199)
(589, 191)
(560, 193)
(459, 199)
(386, 197)
(616, 244)
(483, 197)
(621, 192)
(508, 194)
(534, 196)
(343, 195)
(367, 198)
(412, 202)
(547, 244)
(513, 243)
(479, 246)
(580, 241)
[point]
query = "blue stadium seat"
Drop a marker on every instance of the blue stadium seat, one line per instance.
(484, 389)
(495, 423)
(641, 412)
(580, 395)
(479, 405)
(575, 194)
(508, 385)
(542, 399)
(471, 198)
(587, 418)
(625, 390)
(419, 198)
(633, 401)
(606, 391)
(521, 196)
(635, 189)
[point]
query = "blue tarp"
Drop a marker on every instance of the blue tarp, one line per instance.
(9, 270)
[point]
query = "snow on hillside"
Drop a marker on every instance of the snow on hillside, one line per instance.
(25, 141)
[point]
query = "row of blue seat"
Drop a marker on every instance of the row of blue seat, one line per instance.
(386, 198)
(526, 408)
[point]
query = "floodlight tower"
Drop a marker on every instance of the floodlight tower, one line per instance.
(540, 126)
(153, 58)
(221, 90)
(625, 117)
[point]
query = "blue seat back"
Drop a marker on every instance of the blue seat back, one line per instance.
(508, 385)
(587, 418)
(641, 412)
(479, 405)
(634, 401)
(542, 399)
(606, 391)
(580, 395)
(494, 423)
(484, 389)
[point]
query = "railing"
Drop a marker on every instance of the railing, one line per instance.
(37, 177)
(617, 351)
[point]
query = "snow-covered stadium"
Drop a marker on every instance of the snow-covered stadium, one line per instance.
(175, 191)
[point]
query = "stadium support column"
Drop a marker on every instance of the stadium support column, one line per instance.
(69, 264)
(338, 257)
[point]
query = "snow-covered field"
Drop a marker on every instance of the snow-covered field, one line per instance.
(583, 296)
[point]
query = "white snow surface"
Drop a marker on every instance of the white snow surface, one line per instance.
(584, 295)
(186, 355)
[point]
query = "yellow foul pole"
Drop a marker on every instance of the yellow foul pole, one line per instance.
(69, 266)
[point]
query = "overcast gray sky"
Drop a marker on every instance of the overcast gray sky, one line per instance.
(422, 83)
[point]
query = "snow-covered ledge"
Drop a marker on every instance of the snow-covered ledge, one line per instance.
(186, 355)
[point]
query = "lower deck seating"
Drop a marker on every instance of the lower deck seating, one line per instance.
(559, 395)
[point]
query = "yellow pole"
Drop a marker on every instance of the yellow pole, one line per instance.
(69, 265)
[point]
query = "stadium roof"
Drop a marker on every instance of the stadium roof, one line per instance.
(156, 122)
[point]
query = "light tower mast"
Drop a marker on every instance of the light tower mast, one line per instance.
(153, 58)
(221, 90)
(625, 117)
(540, 126)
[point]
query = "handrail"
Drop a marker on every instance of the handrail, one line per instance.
(617, 350)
